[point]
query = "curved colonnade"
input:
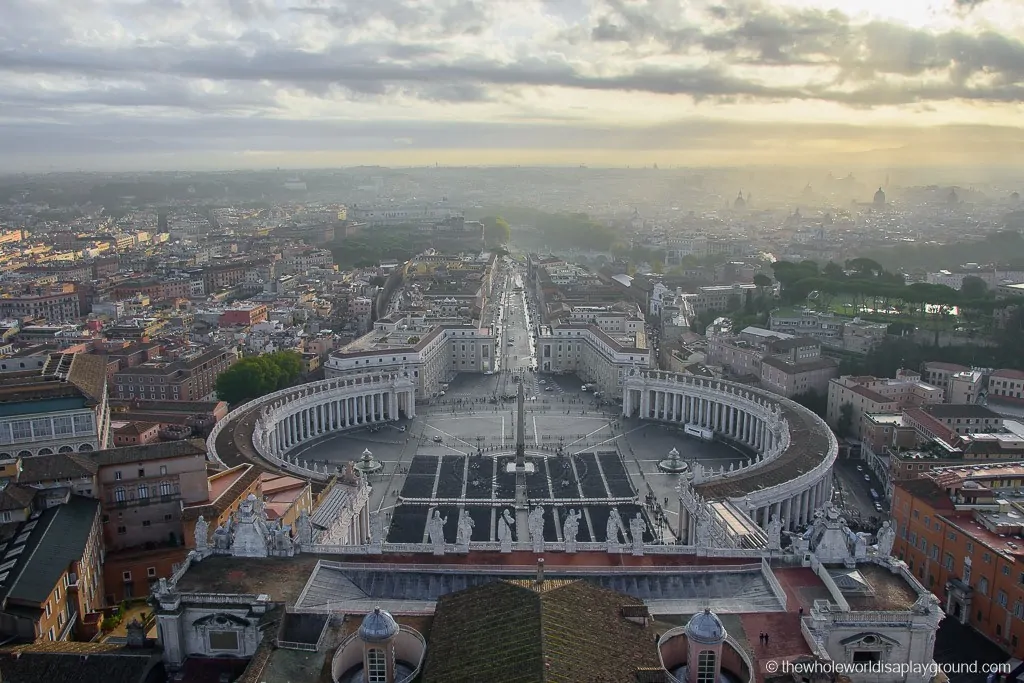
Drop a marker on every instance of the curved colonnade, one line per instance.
(288, 419)
(790, 475)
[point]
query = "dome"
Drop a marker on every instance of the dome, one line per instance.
(880, 197)
(378, 626)
(705, 628)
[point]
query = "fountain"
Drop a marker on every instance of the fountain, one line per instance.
(367, 465)
(674, 463)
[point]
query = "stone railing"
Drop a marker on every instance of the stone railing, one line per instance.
(773, 583)
(816, 644)
(289, 645)
(833, 590)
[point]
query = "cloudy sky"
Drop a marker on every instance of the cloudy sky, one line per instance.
(250, 83)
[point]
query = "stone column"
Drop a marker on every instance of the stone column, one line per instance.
(786, 517)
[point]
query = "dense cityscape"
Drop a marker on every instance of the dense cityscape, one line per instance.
(473, 424)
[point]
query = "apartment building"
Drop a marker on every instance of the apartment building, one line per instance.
(965, 418)
(59, 303)
(721, 297)
(243, 315)
(190, 377)
(1007, 385)
(868, 394)
(780, 362)
(52, 574)
(961, 532)
(143, 489)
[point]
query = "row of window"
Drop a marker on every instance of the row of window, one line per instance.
(45, 428)
(82, 448)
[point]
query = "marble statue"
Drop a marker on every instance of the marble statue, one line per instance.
(537, 529)
(613, 529)
(282, 538)
(435, 529)
(774, 531)
(163, 587)
(637, 529)
(222, 538)
(464, 532)
(505, 524)
(202, 532)
(304, 529)
(570, 529)
(886, 537)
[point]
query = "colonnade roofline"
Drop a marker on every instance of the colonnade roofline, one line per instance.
(285, 419)
(794, 460)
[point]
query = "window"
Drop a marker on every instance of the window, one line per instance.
(1002, 599)
(127, 576)
(119, 493)
(83, 424)
(117, 476)
(983, 586)
(22, 429)
(226, 640)
(151, 572)
(49, 611)
(377, 665)
(143, 492)
(1006, 570)
(706, 667)
(52, 634)
(42, 428)
(145, 522)
(165, 488)
(163, 469)
(122, 529)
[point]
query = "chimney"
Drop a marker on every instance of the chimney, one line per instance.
(540, 571)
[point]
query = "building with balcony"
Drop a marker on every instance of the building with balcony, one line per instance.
(876, 395)
(961, 532)
(51, 573)
(143, 489)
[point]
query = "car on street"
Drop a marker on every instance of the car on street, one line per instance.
(437, 439)
(859, 468)
(867, 477)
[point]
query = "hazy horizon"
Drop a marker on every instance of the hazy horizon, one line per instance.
(249, 84)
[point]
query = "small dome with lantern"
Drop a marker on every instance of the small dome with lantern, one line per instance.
(706, 628)
(378, 626)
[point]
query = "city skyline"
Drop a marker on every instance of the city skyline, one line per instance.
(173, 84)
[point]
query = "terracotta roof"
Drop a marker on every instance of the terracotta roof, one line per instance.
(809, 441)
(89, 374)
(15, 497)
(135, 428)
(511, 633)
(56, 467)
(79, 662)
(153, 451)
(213, 508)
(1008, 374)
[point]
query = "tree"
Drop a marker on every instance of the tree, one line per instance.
(762, 281)
(813, 401)
(257, 376)
(973, 287)
(845, 422)
(496, 231)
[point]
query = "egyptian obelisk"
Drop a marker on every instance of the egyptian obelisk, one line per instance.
(522, 499)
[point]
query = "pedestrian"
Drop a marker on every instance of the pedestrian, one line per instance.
(760, 637)
(766, 640)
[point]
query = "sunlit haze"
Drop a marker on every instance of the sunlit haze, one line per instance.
(124, 84)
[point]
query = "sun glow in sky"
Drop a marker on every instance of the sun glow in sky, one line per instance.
(199, 83)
